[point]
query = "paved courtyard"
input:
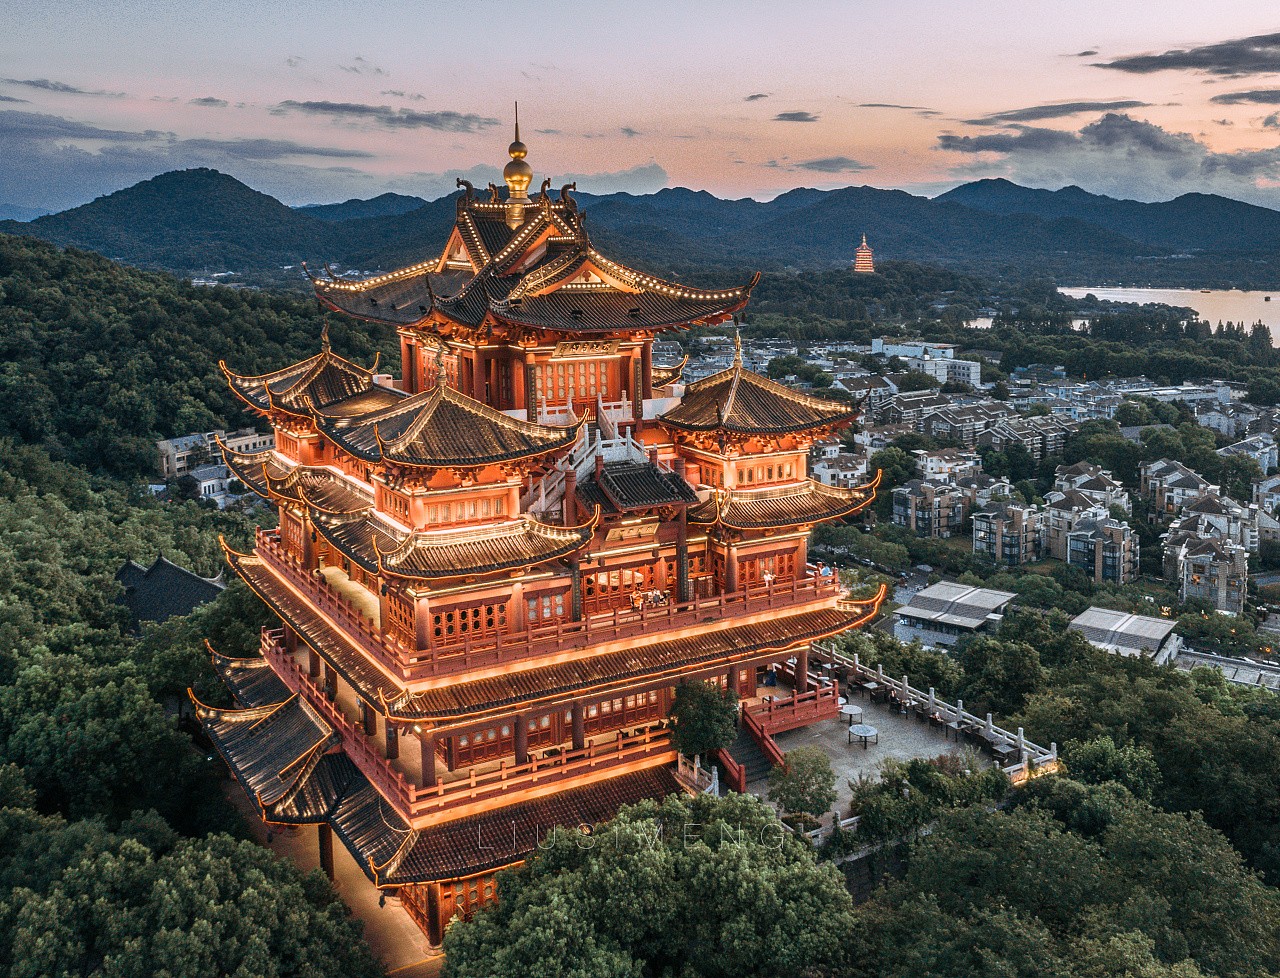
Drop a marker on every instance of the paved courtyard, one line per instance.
(901, 738)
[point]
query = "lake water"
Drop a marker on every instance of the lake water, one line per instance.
(1214, 306)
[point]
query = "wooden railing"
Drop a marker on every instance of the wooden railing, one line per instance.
(797, 710)
(413, 802)
(735, 775)
(761, 736)
(469, 653)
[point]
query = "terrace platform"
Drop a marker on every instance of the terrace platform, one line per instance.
(901, 738)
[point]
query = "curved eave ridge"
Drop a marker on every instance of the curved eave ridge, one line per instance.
(319, 382)
(321, 489)
(741, 401)
(255, 469)
(442, 428)
(401, 298)
(489, 549)
(271, 748)
(251, 681)
(808, 503)
(664, 376)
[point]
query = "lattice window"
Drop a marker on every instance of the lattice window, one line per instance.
(480, 619)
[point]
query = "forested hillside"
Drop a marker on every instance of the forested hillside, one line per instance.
(201, 221)
(100, 360)
(121, 854)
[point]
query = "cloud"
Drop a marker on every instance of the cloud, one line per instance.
(1258, 55)
(411, 96)
(647, 178)
(892, 105)
(1264, 96)
(1084, 54)
(549, 132)
(270, 149)
(756, 96)
(832, 164)
(10, 98)
(61, 88)
(210, 102)
(1272, 121)
(385, 115)
(294, 61)
(629, 132)
(38, 126)
(795, 116)
(362, 66)
(1055, 110)
(1120, 156)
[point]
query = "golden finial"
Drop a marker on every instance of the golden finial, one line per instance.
(737, 344)
(517, 174)
(324, 336)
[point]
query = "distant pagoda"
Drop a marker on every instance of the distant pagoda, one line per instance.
(492, 572)
(864, 258)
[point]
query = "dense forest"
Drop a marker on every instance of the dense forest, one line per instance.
(121, 854)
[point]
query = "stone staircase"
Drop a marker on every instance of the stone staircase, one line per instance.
(747, 752)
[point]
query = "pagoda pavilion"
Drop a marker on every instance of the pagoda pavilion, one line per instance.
(864, 259)
(491, 572)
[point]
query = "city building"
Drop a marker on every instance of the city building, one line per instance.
(1062, 511)
(1009, 533)
(964, 424)
(1037, 374)
(909, 408)
(864, 258)
(947, 464)
(1212, 516)
(1121, 633)
(178, 456)
(929, 509)
(1214, 571)
(1105, 549)
(892, 346)
(946, 613)
(1042, 436)
(948, 370)
(1170, 486)
(491, 573)
(1261, 449)
(1093, 482)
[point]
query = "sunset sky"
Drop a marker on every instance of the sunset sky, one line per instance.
(321, 101)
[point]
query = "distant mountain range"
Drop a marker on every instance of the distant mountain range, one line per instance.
(194, 221)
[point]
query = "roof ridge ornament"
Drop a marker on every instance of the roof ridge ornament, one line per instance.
(324, 336)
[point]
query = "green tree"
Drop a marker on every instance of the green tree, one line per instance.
(1102, 759)
(691, 886)
(705, 716)
(804, 784)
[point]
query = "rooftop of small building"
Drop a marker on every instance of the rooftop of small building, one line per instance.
(1122, 630)
(956, 604)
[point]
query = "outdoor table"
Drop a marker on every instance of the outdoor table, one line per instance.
(851, 712)
(841, 700)
(863, 732)
(1002, 751)
(871, 687)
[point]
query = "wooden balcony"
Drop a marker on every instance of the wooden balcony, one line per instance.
(464, 654)
(797, 710)
(475, 790)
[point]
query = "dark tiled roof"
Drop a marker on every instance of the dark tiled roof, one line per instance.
(252, 681)
(662, 376)
(322, 489)
(248, 468)
(441, 428)
(638, 662)
(605, 310)
(738, 400)
(270, 749)
(403, 298)
(325, 382)
(433, 555)
(625, 486)
(810, 502)
(164, 590)
(487, 841)
(336, 649)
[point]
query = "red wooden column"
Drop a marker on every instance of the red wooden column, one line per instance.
(427, 744)
(802, 669)
(521, 721)
(579, 726)
(325, 841)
